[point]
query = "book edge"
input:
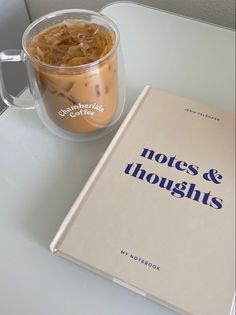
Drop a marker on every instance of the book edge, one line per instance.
(55, 244)
(123, 283)
(232, 311)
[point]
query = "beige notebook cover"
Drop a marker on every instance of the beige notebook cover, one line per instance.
(158, 215)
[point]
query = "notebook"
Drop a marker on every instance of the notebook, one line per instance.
(157, 215)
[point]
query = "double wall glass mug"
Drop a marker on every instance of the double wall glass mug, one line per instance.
(75, 71)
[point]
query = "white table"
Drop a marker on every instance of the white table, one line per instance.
(41, 175)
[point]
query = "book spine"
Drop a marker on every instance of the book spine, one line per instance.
(55, 244)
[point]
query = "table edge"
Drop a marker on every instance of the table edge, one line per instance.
(115, 3)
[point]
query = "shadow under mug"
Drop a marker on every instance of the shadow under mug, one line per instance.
(75, 102)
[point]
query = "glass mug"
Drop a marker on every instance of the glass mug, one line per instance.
(78, 102)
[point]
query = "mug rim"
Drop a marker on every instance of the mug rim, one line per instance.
(61, 12)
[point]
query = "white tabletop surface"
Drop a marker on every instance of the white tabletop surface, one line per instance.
(41, 175)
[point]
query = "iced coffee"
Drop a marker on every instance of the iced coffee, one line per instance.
(79, 85)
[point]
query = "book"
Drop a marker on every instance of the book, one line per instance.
(157, 214)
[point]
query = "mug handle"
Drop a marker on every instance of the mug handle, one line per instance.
(14, 55)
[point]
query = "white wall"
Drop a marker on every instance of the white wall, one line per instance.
(220, 12)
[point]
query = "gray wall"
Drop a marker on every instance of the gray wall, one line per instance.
(220, 12)
(13, 22)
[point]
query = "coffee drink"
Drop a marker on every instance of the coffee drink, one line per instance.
(76, 74)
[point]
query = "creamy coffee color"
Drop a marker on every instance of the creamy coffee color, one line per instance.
(80, 94)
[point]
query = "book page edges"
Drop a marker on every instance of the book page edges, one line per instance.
(232, 311)
(123, 283)
(55, 244)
